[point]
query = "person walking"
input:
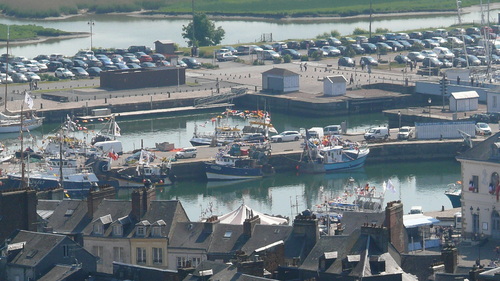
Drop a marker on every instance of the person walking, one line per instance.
(351, 80)
(300, 66)
(305, 66)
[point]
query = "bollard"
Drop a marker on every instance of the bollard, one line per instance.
(41, 106)
(95, 98)
(105, 100)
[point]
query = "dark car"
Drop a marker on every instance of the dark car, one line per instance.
(253, 137)
(19, 78)
(293, 45)
(446, 63)
(406, 45)
(472, 30)
(431, 62)
(133, 65)
(321, 42)
(67, 63)
(377, 38)
(94, 71)
(346, 61)
(473, 60)
(146, 50)
(370, 48)
(402, 59)
(480, 117)
(358, 49)
(267, 47)
(80, 63)
(383, 46)
(191, 62)
(430, 43)
(334, 41)
(313, 50)
(157, 57)
(416, 35)
(307, 44)
(79, 72)
(459, 62)
(494, 117)
(291, 52)
(367, 60)
(53, 65)
(395, 45)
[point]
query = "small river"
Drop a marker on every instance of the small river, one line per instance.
(121, 31)
(420, 183)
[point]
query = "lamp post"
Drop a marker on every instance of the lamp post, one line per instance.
(399, 116)
(91, 23)
(429, 101)
(178, 79)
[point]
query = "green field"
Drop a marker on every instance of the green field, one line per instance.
(264, 8)
(26, 32)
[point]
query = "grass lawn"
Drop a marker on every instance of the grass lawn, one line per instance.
(20, 32)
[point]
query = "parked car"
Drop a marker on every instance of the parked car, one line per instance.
(253, 137)
(405, 133)
(187, 152)
(459, 62)
(483, 129)
(402, 59)
(307, 44)
(370, 48)
(293, 45)
(367, 60)
(377, 38)
(291, 52)
(416, 56)
(331, 51)
(157, 57)
(80, 63)
(321, 42)
(80, 72)
(5, 79)
(313, 50)
(19, 78)
(94, 71)
(334, 42)
(446, 63)
(383, 47)
(63, 73)
(191, 62)
(32, 76)
(287, 136)
(226, 57)
(428, 53)
(431, 62)
(346, 61)
(358, 49)
(480, 117)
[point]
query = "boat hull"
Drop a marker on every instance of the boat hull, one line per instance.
(222, 172)
(16, 127)
(319, 167)
(43, 183)
(454, 199)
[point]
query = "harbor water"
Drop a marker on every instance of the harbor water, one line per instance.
(286, 194)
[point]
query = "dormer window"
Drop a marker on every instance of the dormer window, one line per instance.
(117, 230)
(141, 231)
(228, 234)
(98, 229)
(156, 232)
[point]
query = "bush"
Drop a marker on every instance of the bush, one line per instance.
(304, 58)
(417, 47)
(47, 77)
(334, 33)
(278, 60)
(360, 31)
(317, 56)
(287, 58)
(382, 30)
(258, 62)
(209, 66)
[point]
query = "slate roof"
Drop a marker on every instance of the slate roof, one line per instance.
(190, 235)
(221, 271)
(279, 72)
(325, 244)
(170, 211)
(336, 79)
(482, 151)
(354, 220)
(227, 238)
(37, 246)
(264, 235)
(59, 272)
(115, 208)
(70, 216)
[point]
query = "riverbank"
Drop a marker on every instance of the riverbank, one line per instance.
(41, 39)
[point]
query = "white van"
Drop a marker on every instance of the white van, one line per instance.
(443, 53)
(110, 146)
(332, 130)
(377, 133)
(316, 133)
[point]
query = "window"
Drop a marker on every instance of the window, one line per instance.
(141, 255)
(473, 184)
(181, 262)
(65, 251)
(156, 231)
(494, 101)
(117, 230)
(118, 254)
(157, 255)
(141, 231)
(98, 228)
(228, 234)
(195, 261)
(98, 251)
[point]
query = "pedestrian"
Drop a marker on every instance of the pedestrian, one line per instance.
(458, 80)
(362, 65)
(411, 66)
(305, 66)
(472, 81)
(351, 80)
(497, 252)
(300, 66)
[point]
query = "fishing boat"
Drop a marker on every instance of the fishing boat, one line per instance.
(48, 176)
(145, 171)
(234, 163)
(332, 155)
(221, 136)
(454, 193)
(64, 141)
(12, 123)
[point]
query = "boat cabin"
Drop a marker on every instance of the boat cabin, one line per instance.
(332, 154)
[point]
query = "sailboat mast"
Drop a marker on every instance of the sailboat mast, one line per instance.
(23, 184)
(61, 179)
(7, 69)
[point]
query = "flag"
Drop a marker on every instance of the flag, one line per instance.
(390, 186)
(28, 100)
(117, 130)
(113, 155)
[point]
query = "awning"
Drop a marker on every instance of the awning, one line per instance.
(417, 220)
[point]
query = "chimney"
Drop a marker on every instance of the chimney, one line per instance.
(449, 255)
(249, 224)
(96, 196)
(141, 200)
(254, 268)
(394, 224)
(306, 225)
(208, 226)
(379, 234)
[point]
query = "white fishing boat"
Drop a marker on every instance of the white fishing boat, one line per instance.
(145, 172)
(12, 123)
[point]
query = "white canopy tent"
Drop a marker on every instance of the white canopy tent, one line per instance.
(244, 212)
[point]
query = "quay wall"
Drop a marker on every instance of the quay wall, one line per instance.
(380, 152)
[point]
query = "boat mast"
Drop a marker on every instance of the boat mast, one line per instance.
(23, 184)
(7, 71)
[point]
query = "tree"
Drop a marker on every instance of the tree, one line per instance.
(205, 32)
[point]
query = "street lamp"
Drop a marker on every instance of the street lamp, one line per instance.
(429, 101)
(399, 116)
(91, 23)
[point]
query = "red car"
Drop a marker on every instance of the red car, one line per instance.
(145, 58)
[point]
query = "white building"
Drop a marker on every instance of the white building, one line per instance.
(464, 101)
(334, 85)
(280, 80)
(481, 189)
(493, 100)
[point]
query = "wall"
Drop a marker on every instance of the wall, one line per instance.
(142, 78)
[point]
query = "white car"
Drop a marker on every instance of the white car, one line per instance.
(63, 73)
(287, 136)
(188, 152)
(405, 133)
(483, 129)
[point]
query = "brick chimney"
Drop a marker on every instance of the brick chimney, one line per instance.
(394, 223)
(96, 196)
(254, 268)
(249, 224)
(306, 225)
(449, 255)
(141, 200)
(209, 224)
